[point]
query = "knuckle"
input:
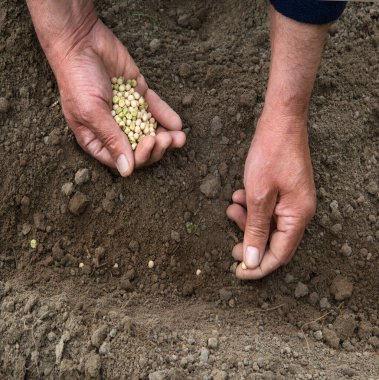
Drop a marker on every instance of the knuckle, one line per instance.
(259, 229)
(310, 208)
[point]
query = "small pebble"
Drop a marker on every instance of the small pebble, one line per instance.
(301, 290)
(82, 176)
(155, 44)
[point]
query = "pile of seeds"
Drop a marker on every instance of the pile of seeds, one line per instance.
(130, 111)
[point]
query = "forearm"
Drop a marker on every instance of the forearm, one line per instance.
(296, 50)
(61, 24)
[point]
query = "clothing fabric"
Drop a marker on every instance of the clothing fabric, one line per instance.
(310, 11)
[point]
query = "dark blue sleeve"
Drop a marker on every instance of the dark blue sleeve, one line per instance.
(310, 11)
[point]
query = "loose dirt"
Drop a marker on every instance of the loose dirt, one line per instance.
(85, 304)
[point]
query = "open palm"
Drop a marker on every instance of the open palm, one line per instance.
(86, 93)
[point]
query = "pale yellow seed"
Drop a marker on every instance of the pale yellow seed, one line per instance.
(198, 272)
(152, 133)
(122, 87)
(114, 80)
(141, 100)
(151, 264)
(128, 87)
(127, 103)
(130, 97)
(120, 80)
(137, 129)
(128, 122)
(136, 135)
(138, 122)
(130, 134)
(114, 92)
(113, 112)
(132, 90)
(136, 95)
(144, 117)
(243, 266)
(149, 115)
(133, 103)
(81, 265)
(134, 146)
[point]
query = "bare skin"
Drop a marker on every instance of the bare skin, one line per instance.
(84, 54)
(279, 196)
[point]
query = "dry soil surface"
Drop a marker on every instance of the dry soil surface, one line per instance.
(113, 317)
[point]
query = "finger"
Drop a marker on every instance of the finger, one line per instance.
(162, 142)
(237, 214)
(162, 112)
(92, 145)
(103, 126)
(143, 151)
(237, 252)
(284, 242)
(259, 213)
(239, 196)
(178, 137)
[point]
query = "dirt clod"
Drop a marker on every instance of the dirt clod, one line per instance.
(82, 176)
(4, 105)
(78, 203)
(211, 186)
(341, 288)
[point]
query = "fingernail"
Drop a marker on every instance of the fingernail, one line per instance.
(252, 257)
(122, 164)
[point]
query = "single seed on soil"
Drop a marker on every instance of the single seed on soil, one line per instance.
(81, 265)
(115, 265)
(129, 110)
(243, 266)
(151, 264)
(33, 243)
(198, 272)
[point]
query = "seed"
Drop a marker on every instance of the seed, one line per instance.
(33, 243)
(81, 265)
(243, 266)
(115, 266)
(129, 110)
(151, 264)
(198, 272)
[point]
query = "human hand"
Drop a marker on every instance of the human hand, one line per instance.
(279, 197)
(84, 54)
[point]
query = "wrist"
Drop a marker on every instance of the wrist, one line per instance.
(61, 25)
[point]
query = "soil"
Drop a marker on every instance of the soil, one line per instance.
(85, 304)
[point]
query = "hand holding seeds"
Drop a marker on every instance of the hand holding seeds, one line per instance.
(84, 55)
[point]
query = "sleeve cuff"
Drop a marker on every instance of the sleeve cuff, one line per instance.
(310, 11)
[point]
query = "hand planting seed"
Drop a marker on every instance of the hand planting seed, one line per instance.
(130, 111)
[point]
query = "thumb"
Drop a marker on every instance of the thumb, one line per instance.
(102, 124)
(257, 230)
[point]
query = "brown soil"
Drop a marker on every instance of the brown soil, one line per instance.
(61, 321)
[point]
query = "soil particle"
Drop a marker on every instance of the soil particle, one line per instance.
(344, 325)
(219, 375)
(188, 289)
(78, 203)
(211, 186)
(248, 99)
(185, 70)
(225, 294)
(155, 44)
(31, 302)
(171, 374)
(99, 335)
(187, 100)
(4, 105)
(314, 298)
(213, 342)
(365, 329)
(67, 188)
(341, 288)
(336, 229)
(92, 365)
(324, 303)
(39, 221)
(301, 290)
(346, 250)
(331, 338)
(204, 355)
(175, 236)
(372, 187)
(134, 246)
(105, 348)
(82, 176)
(216, 126)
